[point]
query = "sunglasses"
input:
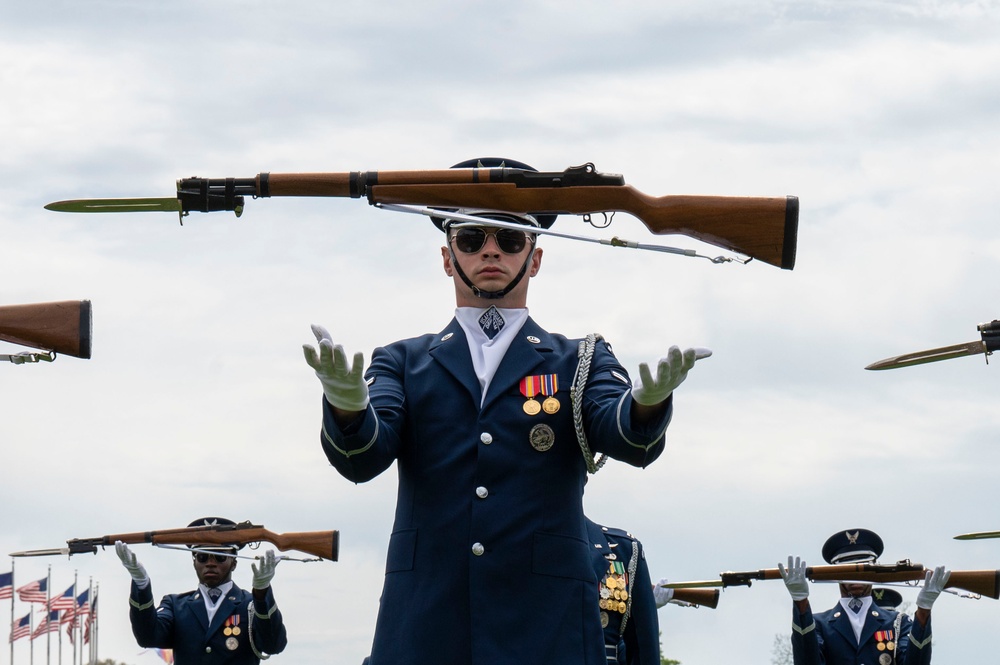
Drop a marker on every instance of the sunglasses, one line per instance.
(203, 557)
(471, 240)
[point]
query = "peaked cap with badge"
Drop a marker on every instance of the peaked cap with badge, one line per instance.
(853, 546)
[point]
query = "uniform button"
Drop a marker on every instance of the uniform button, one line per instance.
(478, 549)
(486, 438)
(208, 649)
(482, 492)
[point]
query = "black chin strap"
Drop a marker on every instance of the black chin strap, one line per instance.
(490, 295)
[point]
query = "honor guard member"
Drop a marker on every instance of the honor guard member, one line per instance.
(488, 560)
(628, 609)
(216, 623)
(858, 631)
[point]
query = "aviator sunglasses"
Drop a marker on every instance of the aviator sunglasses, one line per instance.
(203, 557)
(471, 240)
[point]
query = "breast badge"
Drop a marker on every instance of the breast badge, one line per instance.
(541, 437)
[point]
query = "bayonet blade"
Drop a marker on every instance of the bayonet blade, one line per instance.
(978, 535)
(117, 205)
(51, 552)
(931, 355)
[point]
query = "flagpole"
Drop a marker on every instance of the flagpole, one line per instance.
(48, 633)
(12, 587)
(31, 638)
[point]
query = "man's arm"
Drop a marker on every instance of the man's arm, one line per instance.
(807, 647)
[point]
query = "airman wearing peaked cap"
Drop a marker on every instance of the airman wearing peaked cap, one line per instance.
(860, 628)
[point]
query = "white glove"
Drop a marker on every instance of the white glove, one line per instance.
(662, 594)
(933, 586)
(795, 578)
(262, 575)
(343, 385)
(132, 565)
(670, 373)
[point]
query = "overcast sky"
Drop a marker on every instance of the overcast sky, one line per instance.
(881, 116)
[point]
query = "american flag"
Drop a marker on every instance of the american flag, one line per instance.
(7, 585)
(166, 654)
(90, 620)
(50, 624)
(82, 610)
(36, 592)
(21, 628)
(67, 601)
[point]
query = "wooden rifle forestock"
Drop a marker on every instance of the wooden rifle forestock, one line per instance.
(703, 597)
(322, 544)
(64, 326)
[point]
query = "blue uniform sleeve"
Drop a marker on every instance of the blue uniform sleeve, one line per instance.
(807, 643)
(914, 644)
(152, 626)
(642, 633)
(608, 414)
(268, 628)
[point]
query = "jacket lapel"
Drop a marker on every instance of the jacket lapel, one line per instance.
(527, 351)
(451, 350)
(195, 604)
(231, 604)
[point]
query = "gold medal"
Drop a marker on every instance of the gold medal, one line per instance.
(621, 607)
(232, 643)
(550, 405)
(236, 630)
(542, 437)
(612, 583)
(532, 407)
(227, 631)
(890, 645)
(880, 646)
(624, 594)
(603, 604)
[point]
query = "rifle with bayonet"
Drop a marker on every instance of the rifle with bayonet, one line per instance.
(990, 342)
(54, 327)
(321, 544)
(764, 228)
(978, 582)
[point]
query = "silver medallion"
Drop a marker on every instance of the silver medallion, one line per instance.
(542, 437)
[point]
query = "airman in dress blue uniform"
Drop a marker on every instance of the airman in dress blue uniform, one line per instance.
(858, 631)
(217, 623)
(628, 609)
(488, 560)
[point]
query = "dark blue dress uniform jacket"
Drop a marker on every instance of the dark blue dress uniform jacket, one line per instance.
(639, 643)
(488, 561)
(181, 623)
(828, 638)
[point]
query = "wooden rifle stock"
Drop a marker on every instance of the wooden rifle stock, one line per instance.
(703, 597)
(322, 544)
(982, 582)
(64, 327)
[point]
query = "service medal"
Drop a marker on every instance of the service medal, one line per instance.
(890, 645)
(604, 620)
(885, 659)
(227, 631)
(550, 386)
(880, 646)
(541, 437)
(531, 386)
(236, 630)
(232, 643)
